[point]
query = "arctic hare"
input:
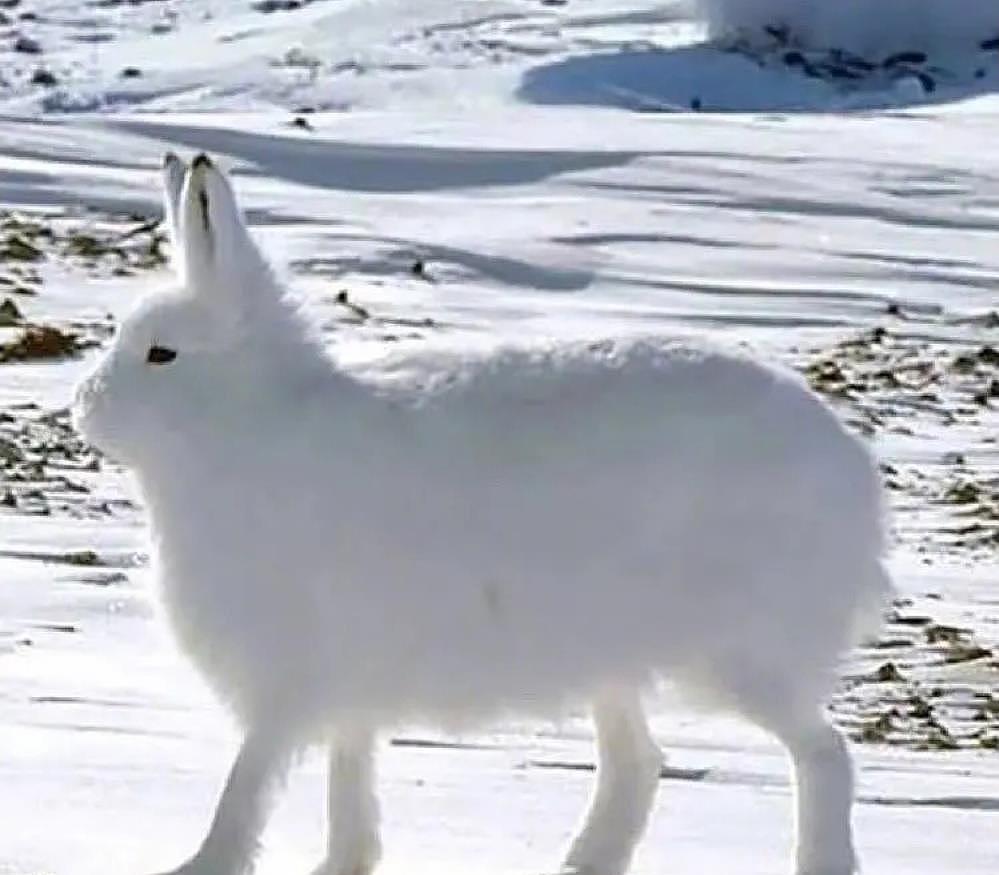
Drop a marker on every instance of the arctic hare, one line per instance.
(460, 537)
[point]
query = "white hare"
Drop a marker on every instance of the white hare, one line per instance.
(452, 538)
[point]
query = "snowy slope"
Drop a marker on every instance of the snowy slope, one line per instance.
(532, 157)
(350, 55)
(863, 26)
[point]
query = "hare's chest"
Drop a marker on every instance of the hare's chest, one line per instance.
(239, 618)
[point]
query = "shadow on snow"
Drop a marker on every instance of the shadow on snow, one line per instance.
(703, 77)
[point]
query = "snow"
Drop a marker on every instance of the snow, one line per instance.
(535, 158)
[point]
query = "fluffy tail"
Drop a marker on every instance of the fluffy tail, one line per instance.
(876, 593)
(877, 589)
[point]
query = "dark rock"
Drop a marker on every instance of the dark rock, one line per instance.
(10, 313)
(344, 301)
(966, 653)
(16, 248)
(27, 46)
(940, 633)
(990, 45)
(130, 73)
(40, 342)
(904, 58)
(887, 673)
(779, 32)
(927, 81)
(989, 355)
(268, 6)
(44, 77)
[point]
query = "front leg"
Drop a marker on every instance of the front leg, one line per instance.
(628, 768)
(232, 841)
(353, 844)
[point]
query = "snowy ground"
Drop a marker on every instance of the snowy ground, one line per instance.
(509, 146)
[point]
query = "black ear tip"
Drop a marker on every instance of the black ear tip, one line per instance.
(170, 158)
(201, 160)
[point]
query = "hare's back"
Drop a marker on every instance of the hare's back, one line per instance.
(599, 460)
(676, 412)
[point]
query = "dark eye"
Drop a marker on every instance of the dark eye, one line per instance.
(160, 355)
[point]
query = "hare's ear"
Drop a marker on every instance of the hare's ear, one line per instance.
(221, 259)
(174, 171)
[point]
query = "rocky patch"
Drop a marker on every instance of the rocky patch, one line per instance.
(912, 72)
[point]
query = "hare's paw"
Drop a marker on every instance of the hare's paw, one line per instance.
(202, 865)
(196, 868)
(835, 860)
(192, 867)
(361, 859)
(189, 868)
(587, 869)
(356, 868)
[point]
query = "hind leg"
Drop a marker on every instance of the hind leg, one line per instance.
(627, 775)
(353, 844)
(823, 779)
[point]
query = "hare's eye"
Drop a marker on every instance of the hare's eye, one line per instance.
(160, 355)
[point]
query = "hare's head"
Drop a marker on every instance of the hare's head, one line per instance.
(184, 366)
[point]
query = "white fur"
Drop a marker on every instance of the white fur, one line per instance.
(451, 538)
